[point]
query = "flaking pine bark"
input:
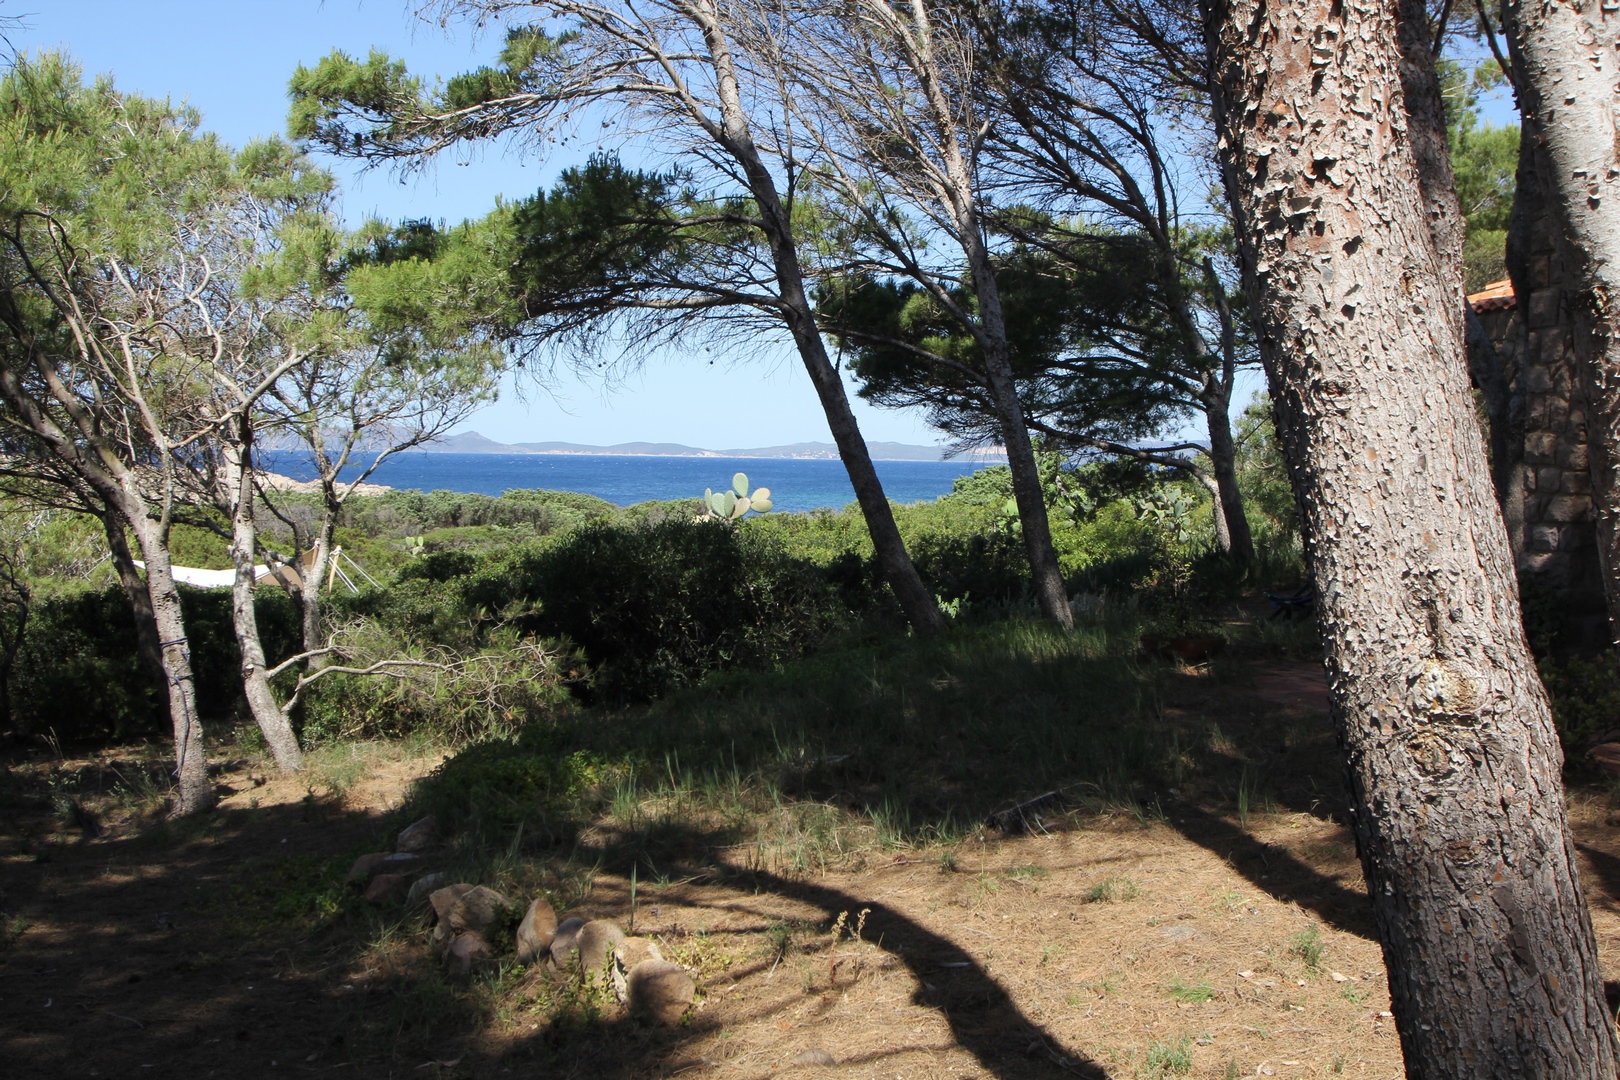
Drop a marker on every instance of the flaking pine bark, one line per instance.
(1453, 761)
(1568, 80)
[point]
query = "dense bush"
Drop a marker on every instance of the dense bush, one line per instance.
(661, 605)
(460, 697)
(79, 676)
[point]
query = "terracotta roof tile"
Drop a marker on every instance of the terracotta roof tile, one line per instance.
(1497, 296)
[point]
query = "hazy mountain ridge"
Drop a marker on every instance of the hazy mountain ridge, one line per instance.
(471, 442)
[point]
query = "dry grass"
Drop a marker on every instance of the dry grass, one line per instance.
(1202, 920)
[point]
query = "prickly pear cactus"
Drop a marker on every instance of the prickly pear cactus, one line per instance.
(730, 506)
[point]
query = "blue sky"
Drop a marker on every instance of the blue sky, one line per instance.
(232, 58)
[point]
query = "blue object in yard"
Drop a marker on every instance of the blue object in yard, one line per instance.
(1297, 603)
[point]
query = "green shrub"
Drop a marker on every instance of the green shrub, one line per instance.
(78, 672)
(1585, 692)
(662, 605)
(530, 780)
(439, 566)
(457, 697)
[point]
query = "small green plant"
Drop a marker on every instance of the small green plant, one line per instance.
(731, 505)
(1167, 1057)
(1354, 995)
(1113, 890)
(1251, 797)
(1307, 947)
(948, 863)
(1191, 993)
(1031, 872)
(1103, 987)
(781, 938)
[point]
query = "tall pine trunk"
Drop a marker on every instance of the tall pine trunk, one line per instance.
(1431, 150)
(193, 791)
(735, 137)
(147, 646)
(1232, 533)
(1568, 78)
(1045, 575)
(312, 575)
(1453, 762)
(238, 481)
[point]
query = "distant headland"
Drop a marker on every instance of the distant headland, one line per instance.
(471, 442)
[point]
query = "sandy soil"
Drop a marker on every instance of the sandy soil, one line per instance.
(1199, 945)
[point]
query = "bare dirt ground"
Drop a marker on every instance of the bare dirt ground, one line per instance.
(1192, 940)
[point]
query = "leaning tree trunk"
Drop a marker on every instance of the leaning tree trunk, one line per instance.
(147, 639)
(1568, 77)
(273, 723)
(1045, 574)
(889, 548)
(1431, 150)
(309, 590)
(918, 604)
(1453, 761)
(1232, 533)
(193, 792)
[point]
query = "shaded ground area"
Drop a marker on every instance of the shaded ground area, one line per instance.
(1203, 927)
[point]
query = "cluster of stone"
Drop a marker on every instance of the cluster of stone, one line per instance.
(464, 916)
(386, 878)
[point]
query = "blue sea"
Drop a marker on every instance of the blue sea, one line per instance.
(795, 483)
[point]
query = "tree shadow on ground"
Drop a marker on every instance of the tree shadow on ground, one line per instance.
(211, 943)
(231, 939)
(1278, 873)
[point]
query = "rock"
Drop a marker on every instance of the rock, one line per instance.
(566, 941)
(387, 889)
(466, 952)
(418, 836)
(633, 950)
(364, 869)
(423, 887)
(400, 863)
(626, 955)
(597, 940)
(813, 1056)
(535, 932)
(476, 910)
(444, 899)
(661, 990)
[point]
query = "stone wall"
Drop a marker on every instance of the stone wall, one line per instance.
(1532, 324)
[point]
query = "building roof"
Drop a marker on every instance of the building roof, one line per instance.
(1497, 296)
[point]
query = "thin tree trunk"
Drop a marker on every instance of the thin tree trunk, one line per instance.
(959, 199)
(1431, 149)
(1568, 78)
(1045, 574)
(1223, 538)
(918, 604)
(1453, 761)
(140, 604)
(193, 791)
(309, 593)
(116, 486)
(238, 480)
(1232, 533)
(1217, 402)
